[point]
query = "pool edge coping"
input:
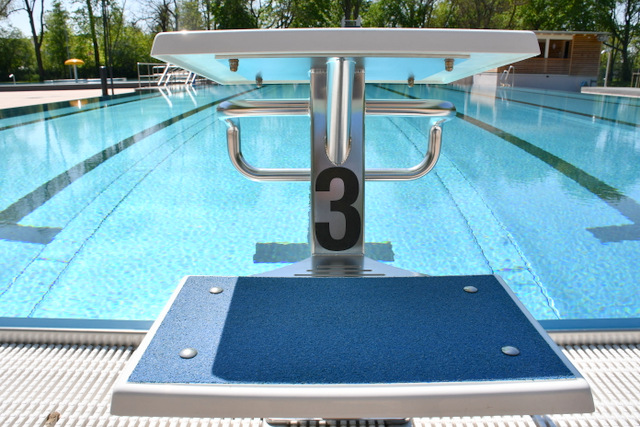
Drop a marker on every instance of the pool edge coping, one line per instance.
(131, 332)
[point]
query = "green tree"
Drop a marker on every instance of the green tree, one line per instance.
(234, 14)
(56, 41)
(566, 15)
(621, 18)
(316, 13)
(81, 47)
(309, 13)
(16, 55)
(191, 18)
(401, 13)
(351, 8)
(6, 7)
(36, 24)
(86, 34)
(277, 14)
(91, 24)
(163, 15)
(207, 9)
(483, 13)
(125, 42)
(132, 46)
(112, 30)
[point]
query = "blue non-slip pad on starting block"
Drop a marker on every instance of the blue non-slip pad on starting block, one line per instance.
(265, 335)
(348, 330)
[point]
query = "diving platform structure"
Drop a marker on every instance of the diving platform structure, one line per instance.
(339, 335)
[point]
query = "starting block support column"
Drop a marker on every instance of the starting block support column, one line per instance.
(337, 159)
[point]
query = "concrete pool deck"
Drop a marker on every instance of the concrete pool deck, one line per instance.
(629, 92)
(14, 99)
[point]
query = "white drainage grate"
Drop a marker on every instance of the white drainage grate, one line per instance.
(76, 381)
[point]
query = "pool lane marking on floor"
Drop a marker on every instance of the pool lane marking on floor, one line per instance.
(56, 266)
(498, 245)
(510, 262)
(9, 217)
(44, 270)
(27, 234)
(83, 110)
(631, 102)
(563, 110)
(626, 206)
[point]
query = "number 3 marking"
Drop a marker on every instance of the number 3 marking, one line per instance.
(344, 205)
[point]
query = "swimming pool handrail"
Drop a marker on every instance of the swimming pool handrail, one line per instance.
(258, 174)
(433, 109)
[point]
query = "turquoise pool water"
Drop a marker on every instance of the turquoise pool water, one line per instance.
(105, 206)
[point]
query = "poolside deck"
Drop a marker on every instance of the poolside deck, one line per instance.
(25, 98)
(76, 379)
(630, 92)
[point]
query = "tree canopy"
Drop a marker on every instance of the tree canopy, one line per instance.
(99, 31)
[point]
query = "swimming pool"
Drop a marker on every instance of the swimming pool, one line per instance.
(105, 206)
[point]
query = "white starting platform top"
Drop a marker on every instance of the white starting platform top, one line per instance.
(345, 348)
(389, 55)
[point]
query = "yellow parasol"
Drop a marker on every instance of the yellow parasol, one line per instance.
(75, 62)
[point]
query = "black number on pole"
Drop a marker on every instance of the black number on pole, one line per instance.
(343, 205)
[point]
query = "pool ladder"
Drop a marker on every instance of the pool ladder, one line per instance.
(507, 79)
(175, 74)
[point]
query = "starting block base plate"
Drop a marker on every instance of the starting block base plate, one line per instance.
(385, 347)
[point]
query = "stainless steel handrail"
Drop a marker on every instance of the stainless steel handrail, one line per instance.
(432, 109)
(417, 171)
(264, 107)
(258, 174)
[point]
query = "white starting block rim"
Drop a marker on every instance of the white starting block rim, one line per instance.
(388, 54)
(340, 401)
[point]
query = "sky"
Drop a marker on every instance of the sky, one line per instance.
(19, 18)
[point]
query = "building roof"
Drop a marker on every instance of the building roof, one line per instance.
(602, 36)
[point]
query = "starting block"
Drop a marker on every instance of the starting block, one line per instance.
(339, 335)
